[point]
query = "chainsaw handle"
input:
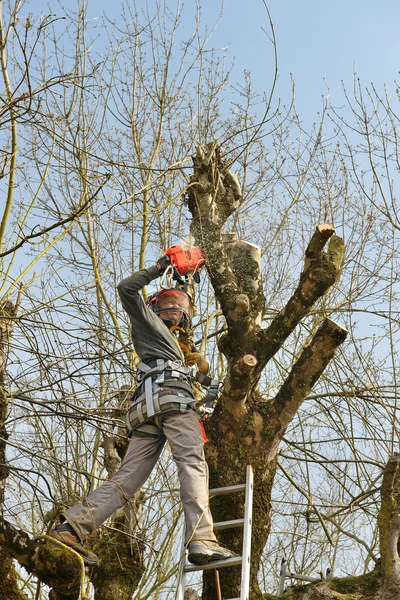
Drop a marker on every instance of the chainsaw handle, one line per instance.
(163, 263)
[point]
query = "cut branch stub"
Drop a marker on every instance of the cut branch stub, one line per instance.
(245, 364)
(389, 529)
(322, 233)
(238, 382)
(244, 259)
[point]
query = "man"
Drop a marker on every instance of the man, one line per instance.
(162, 409)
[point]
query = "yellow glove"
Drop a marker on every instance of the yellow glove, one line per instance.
(195, 358)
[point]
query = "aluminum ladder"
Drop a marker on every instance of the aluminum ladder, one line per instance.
(244, 560)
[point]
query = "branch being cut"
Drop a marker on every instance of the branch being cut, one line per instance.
(306, 371)
(213, 195)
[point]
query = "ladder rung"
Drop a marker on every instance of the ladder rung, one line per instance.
(241, 487)
(215, 564)
(228, 524)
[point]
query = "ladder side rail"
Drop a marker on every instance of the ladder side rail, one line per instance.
(181, 577)
(246, 552)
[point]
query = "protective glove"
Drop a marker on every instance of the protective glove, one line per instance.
(163, 263)
(195, 358)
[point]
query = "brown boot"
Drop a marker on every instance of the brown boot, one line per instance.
(65, 534)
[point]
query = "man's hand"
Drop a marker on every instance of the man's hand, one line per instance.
(195, 358)
(163, 263)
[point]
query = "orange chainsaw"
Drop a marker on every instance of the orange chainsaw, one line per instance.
(185, 260)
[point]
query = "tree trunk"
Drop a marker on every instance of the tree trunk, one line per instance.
(245, 428)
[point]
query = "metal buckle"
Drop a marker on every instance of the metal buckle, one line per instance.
(175, 364)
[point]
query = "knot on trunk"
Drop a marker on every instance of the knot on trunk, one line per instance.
(241, 307)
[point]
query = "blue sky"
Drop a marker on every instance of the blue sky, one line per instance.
(316, 39)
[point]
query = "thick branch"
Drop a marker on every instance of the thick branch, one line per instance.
(320, 274)
(57, 567)
(314, 249)
(244, 259)
(389, 529)
(210, 202)
(18, 544)
(307, 370)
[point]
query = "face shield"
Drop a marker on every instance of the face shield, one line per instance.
(173, 306)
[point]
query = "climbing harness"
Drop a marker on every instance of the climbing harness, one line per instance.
(154, 395)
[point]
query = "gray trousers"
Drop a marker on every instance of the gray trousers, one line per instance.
(182, 430)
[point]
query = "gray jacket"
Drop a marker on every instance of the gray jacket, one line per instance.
(151, 337)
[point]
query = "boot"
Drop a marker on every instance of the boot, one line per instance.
(65, 534)
(201, 552)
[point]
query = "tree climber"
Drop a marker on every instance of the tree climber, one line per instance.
(162, 409)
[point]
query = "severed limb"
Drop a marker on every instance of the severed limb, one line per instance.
(313, 360)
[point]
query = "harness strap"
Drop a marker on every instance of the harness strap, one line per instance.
(137, 414)
(211, 395)
(149, 429)
(148, 390)
(204, 379)
(154, 399)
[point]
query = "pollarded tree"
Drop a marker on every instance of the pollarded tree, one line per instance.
(245, 428)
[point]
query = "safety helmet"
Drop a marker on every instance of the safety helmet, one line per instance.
(179, 297)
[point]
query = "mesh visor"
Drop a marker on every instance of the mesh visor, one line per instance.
(179, 299)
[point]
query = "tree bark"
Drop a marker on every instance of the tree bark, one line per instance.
(389, 530)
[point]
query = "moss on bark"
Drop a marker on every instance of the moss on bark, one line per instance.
(362, 587)
(8, 579)
(121, 566)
